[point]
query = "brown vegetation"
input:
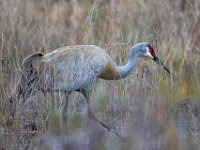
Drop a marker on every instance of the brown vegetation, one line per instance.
(153, 109)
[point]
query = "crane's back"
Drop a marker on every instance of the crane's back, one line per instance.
(76, 51)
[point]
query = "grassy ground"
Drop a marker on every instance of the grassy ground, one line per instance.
(153, 109)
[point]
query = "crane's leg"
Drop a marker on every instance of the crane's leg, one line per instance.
(64, 110)
(94, 118)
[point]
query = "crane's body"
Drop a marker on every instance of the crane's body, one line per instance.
(74, 68)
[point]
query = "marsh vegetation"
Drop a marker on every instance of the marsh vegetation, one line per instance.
(153, 109)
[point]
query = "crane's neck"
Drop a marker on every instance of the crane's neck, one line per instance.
(125, 70)
(114, 72)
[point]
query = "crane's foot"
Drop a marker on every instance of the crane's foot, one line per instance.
(94, 118)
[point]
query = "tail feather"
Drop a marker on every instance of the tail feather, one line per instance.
(31, 62)
(27, 79)
(29, 70)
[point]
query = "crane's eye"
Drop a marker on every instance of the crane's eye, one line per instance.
(151, 50)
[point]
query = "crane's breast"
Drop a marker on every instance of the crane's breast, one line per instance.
(109, 72)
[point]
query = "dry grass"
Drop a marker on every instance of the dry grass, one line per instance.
(153, 109)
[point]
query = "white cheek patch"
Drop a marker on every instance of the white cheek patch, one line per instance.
(148, 54)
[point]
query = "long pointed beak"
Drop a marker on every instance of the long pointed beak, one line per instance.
(156, 59)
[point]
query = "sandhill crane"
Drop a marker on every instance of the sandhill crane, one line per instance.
(75, 68)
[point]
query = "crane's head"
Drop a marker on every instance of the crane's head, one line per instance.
(145, 49)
